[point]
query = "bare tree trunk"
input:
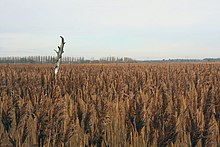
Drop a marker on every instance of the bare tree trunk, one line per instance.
(59, 55)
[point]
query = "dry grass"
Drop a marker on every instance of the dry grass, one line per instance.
(110, 105)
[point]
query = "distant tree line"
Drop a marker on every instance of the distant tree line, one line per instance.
(184, 60)
(67, 60)
(28, 59)
(212, 59)
(194, 60)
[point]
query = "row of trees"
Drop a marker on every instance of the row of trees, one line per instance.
(52, 59)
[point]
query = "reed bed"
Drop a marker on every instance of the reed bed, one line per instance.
(110, 105)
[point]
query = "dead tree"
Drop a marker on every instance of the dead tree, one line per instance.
(59, 55)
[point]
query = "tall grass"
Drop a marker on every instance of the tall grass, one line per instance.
(110, 105)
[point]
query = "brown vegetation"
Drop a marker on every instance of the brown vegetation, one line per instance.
(110, 105)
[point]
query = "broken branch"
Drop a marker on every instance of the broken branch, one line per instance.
(59, 55)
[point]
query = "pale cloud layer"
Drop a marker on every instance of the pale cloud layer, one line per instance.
(142, 29)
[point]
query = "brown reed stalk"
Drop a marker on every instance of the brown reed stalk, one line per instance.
(207, 136)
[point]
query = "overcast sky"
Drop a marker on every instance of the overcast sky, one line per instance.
(142, 29)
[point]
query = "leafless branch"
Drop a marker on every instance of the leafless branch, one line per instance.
(59, 55)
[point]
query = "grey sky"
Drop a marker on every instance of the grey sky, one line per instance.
(142, 29)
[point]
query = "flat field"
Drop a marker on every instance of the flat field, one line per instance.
(110, 105)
